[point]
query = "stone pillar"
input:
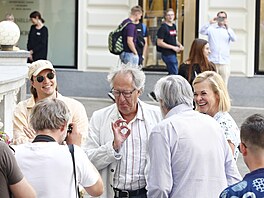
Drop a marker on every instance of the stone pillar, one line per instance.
(13, 73)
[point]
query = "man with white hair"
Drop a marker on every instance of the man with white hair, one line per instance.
(118, 136)
(189, 154)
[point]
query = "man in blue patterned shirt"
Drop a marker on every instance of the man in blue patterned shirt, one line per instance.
(252, 149)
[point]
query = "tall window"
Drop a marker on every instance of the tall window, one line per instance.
(60, 19)
(261, 38)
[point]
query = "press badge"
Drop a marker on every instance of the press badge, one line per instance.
(38, 33)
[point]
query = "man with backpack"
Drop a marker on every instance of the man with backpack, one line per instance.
(129, 33)
(167, 43)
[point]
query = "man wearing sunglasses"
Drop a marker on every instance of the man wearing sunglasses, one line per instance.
(219, 37)
(118, 136)
(252, 150)
(42, 76)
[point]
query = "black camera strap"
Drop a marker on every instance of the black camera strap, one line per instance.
(44, 138)
(71, 149)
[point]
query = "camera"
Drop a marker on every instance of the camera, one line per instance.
(69, 130)
(220, 19)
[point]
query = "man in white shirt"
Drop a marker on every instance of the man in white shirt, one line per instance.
(219, 37)
(118, 136)
(48, 165)
(189, 154)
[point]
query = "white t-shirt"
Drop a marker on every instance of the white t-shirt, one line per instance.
(49, 169)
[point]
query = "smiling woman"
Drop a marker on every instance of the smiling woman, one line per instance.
(211, 97)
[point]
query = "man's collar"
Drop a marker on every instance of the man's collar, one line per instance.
(178, 109)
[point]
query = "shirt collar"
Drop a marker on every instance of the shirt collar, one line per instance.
(139, 114)
(178, 109)
(217, 26)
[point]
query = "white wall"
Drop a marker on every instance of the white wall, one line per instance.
(241, 17)
(96, 19)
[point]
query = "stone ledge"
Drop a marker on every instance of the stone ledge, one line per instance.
(14, 54)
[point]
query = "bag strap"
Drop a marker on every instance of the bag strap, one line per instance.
(144, 29)
(71, 149)
(124, 25)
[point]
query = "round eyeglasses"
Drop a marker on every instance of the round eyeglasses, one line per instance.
(50, 76)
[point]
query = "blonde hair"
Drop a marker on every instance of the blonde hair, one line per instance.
(218, 86)
(136, 9)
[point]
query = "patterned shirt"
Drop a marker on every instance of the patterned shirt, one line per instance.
(230, 128)
(251, 186)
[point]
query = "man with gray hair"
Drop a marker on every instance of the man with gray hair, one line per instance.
(189, 154)
(50, 167)
(118, 135)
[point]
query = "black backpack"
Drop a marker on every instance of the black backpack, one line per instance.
(141, 35)
(115, 40)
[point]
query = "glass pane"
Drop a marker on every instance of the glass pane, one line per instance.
(154, 11)
(59, 18)
(261, 38)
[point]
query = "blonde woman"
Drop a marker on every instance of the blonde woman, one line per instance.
(211, 97)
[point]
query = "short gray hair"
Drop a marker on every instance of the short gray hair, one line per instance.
(138, 76)
(174, 90)
(49, 114)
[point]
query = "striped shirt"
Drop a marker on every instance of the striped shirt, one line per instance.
(129, 174)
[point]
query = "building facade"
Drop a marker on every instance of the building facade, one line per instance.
(78, 30)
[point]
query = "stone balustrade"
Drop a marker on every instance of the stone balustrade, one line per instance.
(13, 73)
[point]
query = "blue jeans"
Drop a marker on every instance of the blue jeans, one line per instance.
(171, 63)
(129, 57)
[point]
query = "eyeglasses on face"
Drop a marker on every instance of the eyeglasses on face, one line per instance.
(50, 76)
(126, 93)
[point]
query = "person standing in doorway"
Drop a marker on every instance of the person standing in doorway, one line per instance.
(168, 45)
(37, 38)
(167, 42)
(219, 37)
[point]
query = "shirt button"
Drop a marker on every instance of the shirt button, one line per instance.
(112, 170)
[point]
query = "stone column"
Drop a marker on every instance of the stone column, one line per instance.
(13, 73)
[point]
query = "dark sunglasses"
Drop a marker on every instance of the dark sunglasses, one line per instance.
(50, 76)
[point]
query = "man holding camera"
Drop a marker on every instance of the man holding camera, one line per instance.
(219, 37)
(52, 168)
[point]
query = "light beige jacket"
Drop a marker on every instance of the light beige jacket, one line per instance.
(23, 110)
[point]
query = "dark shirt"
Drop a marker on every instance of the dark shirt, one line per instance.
(252, 185)
(168, 34)
(184, 71)
(9, 171)
(129, 31)
(38, 42)
(141, 34)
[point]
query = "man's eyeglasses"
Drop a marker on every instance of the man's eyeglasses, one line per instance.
(50, 76)
(126, 93)
(239, 146)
